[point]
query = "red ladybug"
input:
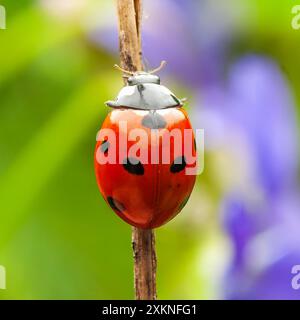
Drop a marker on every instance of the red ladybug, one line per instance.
(143, 192)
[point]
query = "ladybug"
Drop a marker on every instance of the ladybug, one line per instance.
(145, 193)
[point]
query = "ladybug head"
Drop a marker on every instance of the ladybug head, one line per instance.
(142, 77)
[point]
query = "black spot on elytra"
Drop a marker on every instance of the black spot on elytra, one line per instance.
(183, 203)
(105, 146)
(178, 165)
(115, 204)
(134, 166)
(154, 121)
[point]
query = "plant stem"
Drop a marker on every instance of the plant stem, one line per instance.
(143, 244)
(143, 241)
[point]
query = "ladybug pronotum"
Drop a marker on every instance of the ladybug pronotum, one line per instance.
(143, 193)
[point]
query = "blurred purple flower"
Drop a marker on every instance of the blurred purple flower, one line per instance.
(264, 253)
(264, 235)
(261, 103)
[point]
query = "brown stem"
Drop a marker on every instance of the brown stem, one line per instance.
(129, 34)
(143, 241)
(143, 244)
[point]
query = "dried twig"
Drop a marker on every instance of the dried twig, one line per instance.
(143, 241)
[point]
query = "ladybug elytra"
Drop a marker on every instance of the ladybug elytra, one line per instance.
(141, 155)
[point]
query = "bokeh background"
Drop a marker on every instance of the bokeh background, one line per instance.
(238, 64)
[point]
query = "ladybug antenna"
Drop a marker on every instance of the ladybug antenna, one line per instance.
(123, 70)
(162, 64)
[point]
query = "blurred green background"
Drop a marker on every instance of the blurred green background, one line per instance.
(58, 238)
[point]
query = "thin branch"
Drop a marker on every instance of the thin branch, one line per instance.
(143, 244)
(129, 34)
(143, 241)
